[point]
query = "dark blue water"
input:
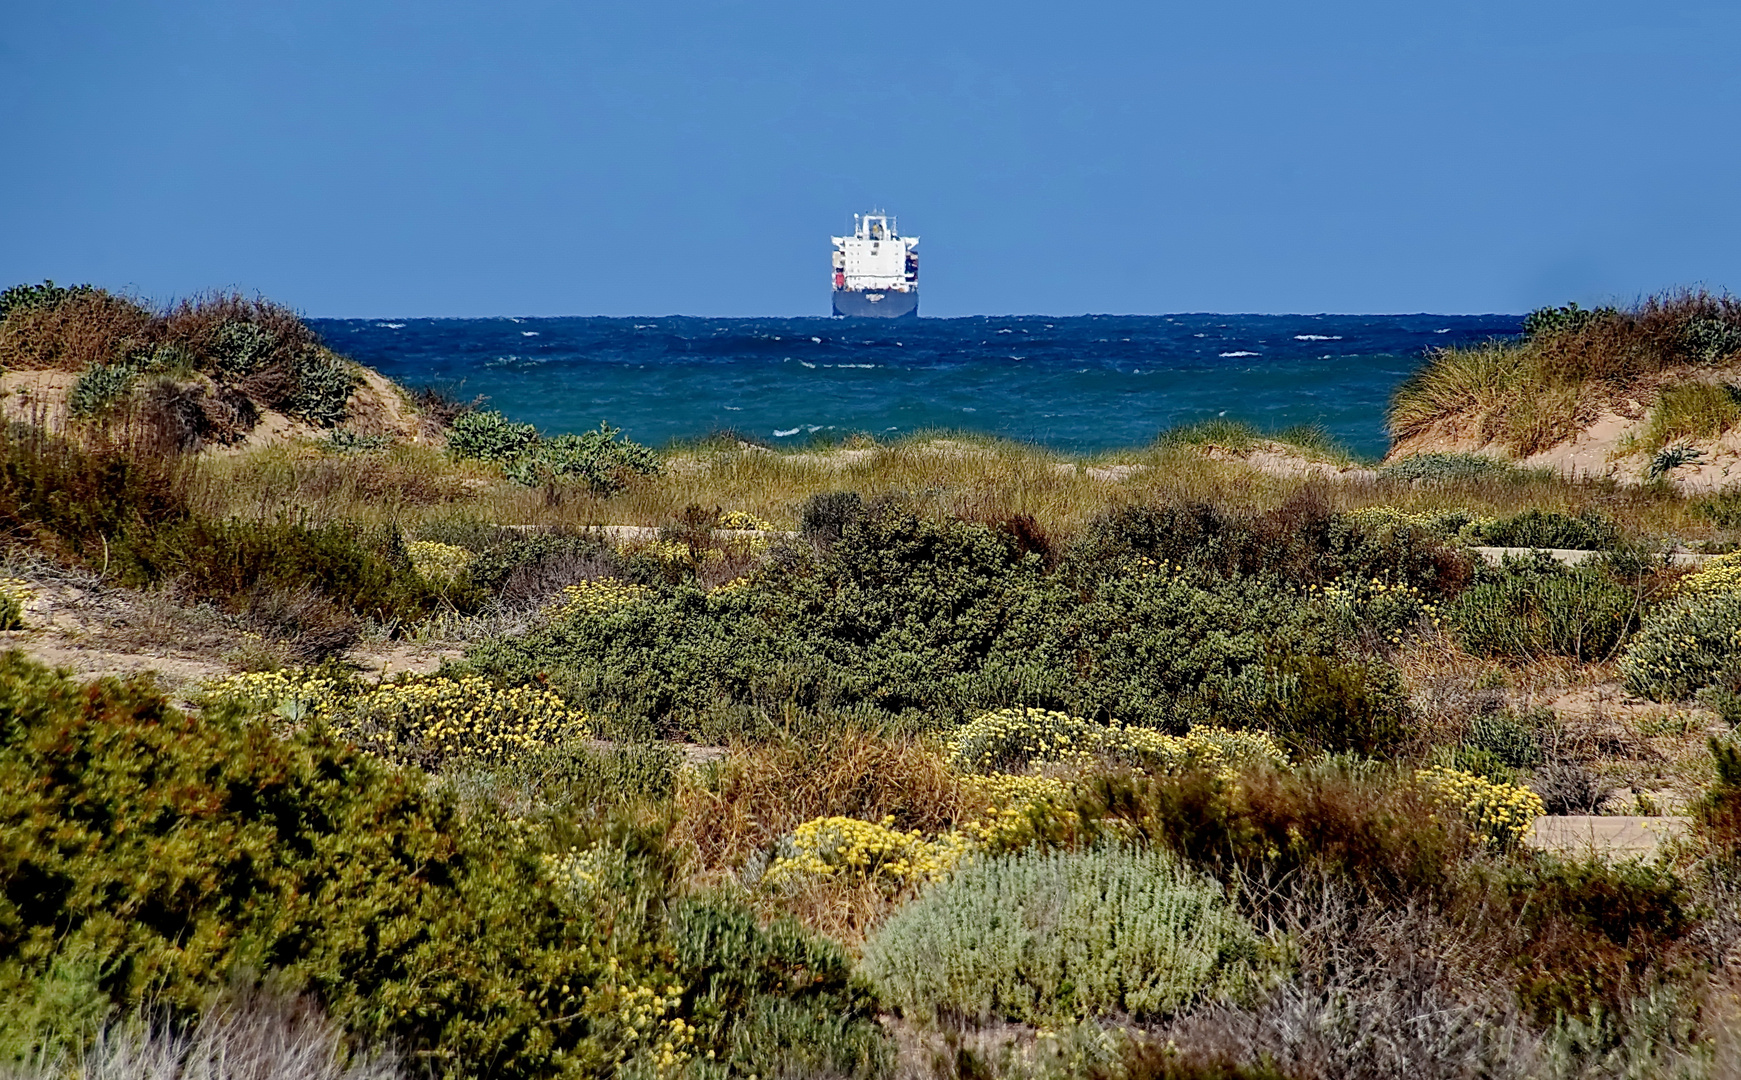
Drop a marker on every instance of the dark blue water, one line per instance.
(1082, 384)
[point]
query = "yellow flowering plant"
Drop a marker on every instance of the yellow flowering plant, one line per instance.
(437, 562)
(594, 598)
(1498, 812)
(437, 721)
(1721, 574)
(14, 594)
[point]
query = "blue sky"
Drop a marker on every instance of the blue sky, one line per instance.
(384, 158)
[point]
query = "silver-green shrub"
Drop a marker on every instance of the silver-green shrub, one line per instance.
(1684, 646)
(1039, 937)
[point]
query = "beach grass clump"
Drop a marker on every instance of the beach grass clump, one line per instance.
(1685, 646)
(1697, 411)
(248, 348)
(1534, 392)
(1041, 937)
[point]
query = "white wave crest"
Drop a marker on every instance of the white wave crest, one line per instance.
(1238, 352)
(1317, 337)
(778, 434)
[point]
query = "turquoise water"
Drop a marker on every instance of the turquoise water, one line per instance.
(1083, 383)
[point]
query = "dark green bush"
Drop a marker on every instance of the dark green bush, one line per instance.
(234, 561)
(826, 514)
(1546, 321)
(775, 1000)
(489, 436)
(917, 621)
(84, 503)
(149, 857)
(1593, 934)
(1706, 339)
(1325, 705)
(1536, 607)
(1302, 542)
(1441, 468)
(1512, 738)
(1533, 528)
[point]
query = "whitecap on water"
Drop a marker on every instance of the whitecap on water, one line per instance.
(778, 434)
(1238, 352)
(1317, 337)
(808, 364)
(817, 340)
(392, 325)
(528, 333)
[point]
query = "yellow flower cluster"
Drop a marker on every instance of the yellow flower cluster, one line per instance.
(1501, 813)
(293, 696)
(645, 1015)
(1358, 597)
(582, 873)
(1002, 818)
(1144, 566)
(1013, 739)
(595, 598)
(867, 850)
(1719, 575)
(742, 519)
(1391, 517)
(438, 562)
(1221, 749)
(1010, 739)
(730, 588)
(437, 720)
(14, 594)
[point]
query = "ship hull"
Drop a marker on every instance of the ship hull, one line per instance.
(888, 305)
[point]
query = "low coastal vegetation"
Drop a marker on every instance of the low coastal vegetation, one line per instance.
(474, 751)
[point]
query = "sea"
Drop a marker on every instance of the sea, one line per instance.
(1080, 384)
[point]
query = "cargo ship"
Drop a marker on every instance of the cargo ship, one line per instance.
(876, 270)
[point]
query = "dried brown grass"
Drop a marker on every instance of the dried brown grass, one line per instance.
(761, 792)
(88, 328)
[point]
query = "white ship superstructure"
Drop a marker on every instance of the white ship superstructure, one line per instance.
(876, 270)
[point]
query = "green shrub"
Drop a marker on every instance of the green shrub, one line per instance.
(596, 457)
(27, 297)
(236, 562)
(1513, 739)
(1537, 607)
(147, 856)
(322, 385)
(1442, 468)
(1039, 937)
(1707, 339)
(489, 436)
(171, 855)
(100, 388)
(242, 347)
(1684, 646)
(775, 1000)
(1534, 528)
(1722, 509)
(1302, 542)
(1546, 321)
(1317, 704)
(915, 621)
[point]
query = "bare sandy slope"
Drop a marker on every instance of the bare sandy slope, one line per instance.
(1602, 450)
(376, 407)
